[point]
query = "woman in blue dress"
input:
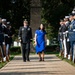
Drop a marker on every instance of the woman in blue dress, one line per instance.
(40, 42)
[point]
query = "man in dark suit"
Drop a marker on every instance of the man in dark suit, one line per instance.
(25, 36)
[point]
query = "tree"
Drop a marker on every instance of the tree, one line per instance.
(15, 11)
(54, 10)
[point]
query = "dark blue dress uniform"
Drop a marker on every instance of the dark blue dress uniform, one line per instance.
(1, 34)
(62, 30)
(67, 38)
(25, 34)
(10, 33)
(60, 37)
(2, 39)
(72, 36)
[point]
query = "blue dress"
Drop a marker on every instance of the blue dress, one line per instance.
(40, 41)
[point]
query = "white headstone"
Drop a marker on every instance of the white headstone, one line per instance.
(15, 43)
(19, 44)
(47, 42)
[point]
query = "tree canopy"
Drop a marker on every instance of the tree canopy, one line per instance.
(15, 11)
(52, 11)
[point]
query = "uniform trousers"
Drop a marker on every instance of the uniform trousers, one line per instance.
(25, 51)
(2, 50)
(72, 43)
(68, 47)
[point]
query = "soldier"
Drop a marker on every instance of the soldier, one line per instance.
(11, 33)
(72, 35)
(25, 35)
(74, 44)
(62, 30)
(67, 23)
(4, 25)
(8, 39)
(60, 39)
(64, 39)
(2, 44)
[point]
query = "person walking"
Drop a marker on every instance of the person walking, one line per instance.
(25, 36)
(40, 42)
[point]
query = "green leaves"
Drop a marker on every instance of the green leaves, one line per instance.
(54, 10)
(15, 12)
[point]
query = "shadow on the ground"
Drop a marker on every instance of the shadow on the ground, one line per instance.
(36, 73)
(34, 59)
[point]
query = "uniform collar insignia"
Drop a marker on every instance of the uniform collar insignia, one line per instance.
(28, 28)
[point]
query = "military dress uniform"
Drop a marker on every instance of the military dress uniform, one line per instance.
(72, 37)
(25, 34)
(62, 30)
(67, 38)
(60, 39)
(10, 33)
(64, 41)
(2, 40)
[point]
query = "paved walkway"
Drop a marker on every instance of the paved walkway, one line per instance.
(51, 66)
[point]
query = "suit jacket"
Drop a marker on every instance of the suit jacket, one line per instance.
(25, 34)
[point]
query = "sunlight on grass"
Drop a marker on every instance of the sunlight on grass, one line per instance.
(64, 59)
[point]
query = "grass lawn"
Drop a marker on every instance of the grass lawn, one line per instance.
(64, 59)
(11, 57)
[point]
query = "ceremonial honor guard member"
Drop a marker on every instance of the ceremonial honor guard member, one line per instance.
(64, 39)
(74, 45)
(8, 39)
(60, 38)
(5, 31)
(11, 33)
(2, 40)
(72, 35)
(25, 36)
(67, 23)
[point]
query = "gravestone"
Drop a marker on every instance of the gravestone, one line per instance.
(35, 14)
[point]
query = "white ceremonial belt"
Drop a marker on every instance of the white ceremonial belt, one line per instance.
(63, 32)
(19, 38)
(73, 29)
(5, 34)
(66, 31)
(3, 43)
(68, 40)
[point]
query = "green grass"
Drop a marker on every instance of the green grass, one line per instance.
(2, 64)
(52, 52)
(66, 60)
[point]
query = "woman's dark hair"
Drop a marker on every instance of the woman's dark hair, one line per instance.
(42, 29)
